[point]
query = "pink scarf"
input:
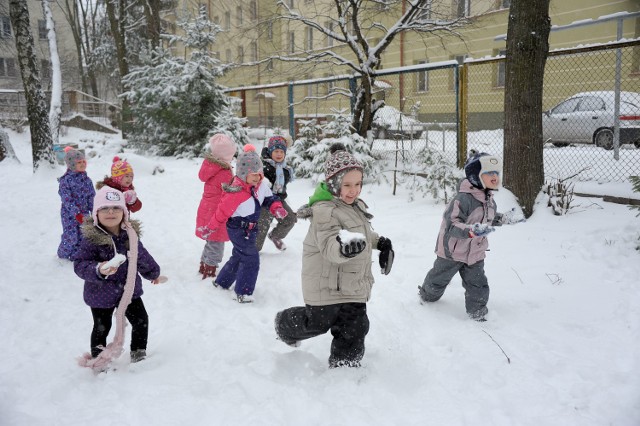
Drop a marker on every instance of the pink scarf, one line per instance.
(114, 349)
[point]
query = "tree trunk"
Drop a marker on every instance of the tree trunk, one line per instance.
(152, 15)
(117, 24)
(527, 49)
(41, 144)
(55, 104)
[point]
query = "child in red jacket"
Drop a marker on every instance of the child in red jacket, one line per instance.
(122, 179)
(239, 211)
(214, 172)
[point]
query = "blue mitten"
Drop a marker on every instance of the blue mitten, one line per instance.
(481, 229)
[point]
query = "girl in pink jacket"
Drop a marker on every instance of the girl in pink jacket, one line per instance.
(237, 215)
(214, 172)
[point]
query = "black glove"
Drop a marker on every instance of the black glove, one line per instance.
(386, 255)
(352, 248)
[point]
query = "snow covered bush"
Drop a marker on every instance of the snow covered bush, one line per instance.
(434, 175)
(230, 124)
(176, 102)
(299, 156)
(339, 127)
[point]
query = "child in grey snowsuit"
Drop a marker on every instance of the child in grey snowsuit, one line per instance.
(336, 264)
(462, 241)
(279, 175)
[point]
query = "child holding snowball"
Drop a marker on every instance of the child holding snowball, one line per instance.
(336, 264)
(122, 179)
(109, 234)
(462, 241)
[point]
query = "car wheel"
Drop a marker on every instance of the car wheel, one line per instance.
(604, 138)
(560, 144)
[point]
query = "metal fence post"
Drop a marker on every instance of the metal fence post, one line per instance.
(462, 110)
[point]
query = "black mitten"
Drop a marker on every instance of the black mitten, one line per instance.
(353, 247)
(386, 255)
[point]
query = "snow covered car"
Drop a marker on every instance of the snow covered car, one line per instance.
(588, 117)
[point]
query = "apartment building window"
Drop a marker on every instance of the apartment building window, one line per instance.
(45, 70)
(330, 26)
(7, 67)
(425, 11)
(500, 70)
(291, 4)
(239, 15)
(216, 20)
(240, 54)
(42, 29)
(270, 30)
(254, 51)
(227, 21)
(5, 27)
(423, 79)
(309, 38)
(253, 10)
(461, 8)
(227, 56)
(504, 4)
(292, 42)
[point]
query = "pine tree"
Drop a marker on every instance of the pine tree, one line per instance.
(177, 102)
(299, 156)
(230, 124)
(434, 175)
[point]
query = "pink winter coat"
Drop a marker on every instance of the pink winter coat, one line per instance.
(214, 173)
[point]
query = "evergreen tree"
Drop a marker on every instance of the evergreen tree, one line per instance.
(175, 101)
(434, 175)
(230, 124)
(299, 156)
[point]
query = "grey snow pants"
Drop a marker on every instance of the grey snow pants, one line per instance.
(474, 281)
(281, 230)
(212, 253)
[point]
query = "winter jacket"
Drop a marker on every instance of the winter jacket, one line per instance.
(98, 246)
(327, 276)
(243, 200)
(107, 181)
(470, 205)
(76, 193)
(269, 167)
(214, 173)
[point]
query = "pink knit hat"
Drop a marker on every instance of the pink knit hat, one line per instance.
(108, 197)
(222, 147)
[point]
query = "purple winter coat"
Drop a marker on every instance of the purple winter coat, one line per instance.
(98, 246)
(76, 194)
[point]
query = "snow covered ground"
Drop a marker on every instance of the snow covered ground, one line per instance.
(564, 308)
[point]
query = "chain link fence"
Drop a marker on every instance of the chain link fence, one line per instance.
(422, 108)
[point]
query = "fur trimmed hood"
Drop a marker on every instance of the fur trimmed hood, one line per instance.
(210, 158)
(96, 235)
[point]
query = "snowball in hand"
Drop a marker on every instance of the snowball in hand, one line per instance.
(347, 236)
(116, 261)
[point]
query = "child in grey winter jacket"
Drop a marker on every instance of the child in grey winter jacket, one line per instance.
(336, 264)
(462, 241)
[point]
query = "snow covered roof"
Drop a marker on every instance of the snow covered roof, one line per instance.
(266, 95)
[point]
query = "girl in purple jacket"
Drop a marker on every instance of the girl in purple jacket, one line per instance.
(103, 262)
(462, 240)
(76, 193)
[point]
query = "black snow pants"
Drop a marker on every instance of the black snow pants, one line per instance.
(102, 320)
(348, 323)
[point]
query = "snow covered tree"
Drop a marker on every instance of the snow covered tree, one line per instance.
(527, 49)
(299, 156)
(175, 101)
(41, 144)
(357, 24)
(230, 124)
(339, 127)
(434, 175)
(55, 105)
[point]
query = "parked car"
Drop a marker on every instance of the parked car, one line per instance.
(589, 118)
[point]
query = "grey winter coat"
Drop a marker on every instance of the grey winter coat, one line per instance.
(327, 276)
(470, 205)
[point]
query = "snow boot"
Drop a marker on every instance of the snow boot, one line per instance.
(280, 245)
(292, 343)
(201, 270)
(208, 271)
(138, 355)
(244, 298)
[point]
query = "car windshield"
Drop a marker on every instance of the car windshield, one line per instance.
(566, 106)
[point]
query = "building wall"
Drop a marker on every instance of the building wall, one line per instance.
(10, 76)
